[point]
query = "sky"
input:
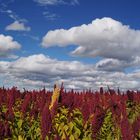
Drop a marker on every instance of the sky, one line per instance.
(86, 44)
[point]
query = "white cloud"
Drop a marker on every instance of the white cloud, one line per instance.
(17, 26)
(12, 14)
(56, 2)
(116, 44)
(74, 2)
(110, 64)
(50, 16)
(19, 23)
(39, 70)
(7, 46)
(49, 2)
(33, 37)
(42, 69)
(104, 37)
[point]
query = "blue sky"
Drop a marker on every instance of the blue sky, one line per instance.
(83, 43)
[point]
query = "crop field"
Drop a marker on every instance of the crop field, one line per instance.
(69, 115)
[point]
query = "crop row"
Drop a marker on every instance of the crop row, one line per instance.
(86, 115)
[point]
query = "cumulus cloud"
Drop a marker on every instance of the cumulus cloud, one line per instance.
(42, 69)
(8, 45)
(104, 37)
(110, 64)
(17, 26)
(38, 70)
(117, 44)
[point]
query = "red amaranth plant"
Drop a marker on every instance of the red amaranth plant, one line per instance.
(126, 130)
(92, 105)
(97, 122)
(130, 95)
(1, 129)
(26, 101)
(46, 121)
(7, 131)
(136, 126)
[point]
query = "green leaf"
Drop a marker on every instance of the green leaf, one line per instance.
(71, 125)
(19, 123)
(20, 137)
(77, 132)
(65, 128)
(63, 136)
(71, 137)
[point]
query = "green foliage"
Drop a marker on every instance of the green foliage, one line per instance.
(108, 130)
(17, 126)
(70, 125)
(24, 127)
(34, 132)
(3, 109)
(133, 111)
